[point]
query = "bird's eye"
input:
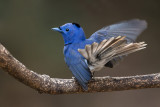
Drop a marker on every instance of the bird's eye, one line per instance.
(67, 30)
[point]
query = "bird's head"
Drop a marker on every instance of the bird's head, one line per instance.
(71, 32)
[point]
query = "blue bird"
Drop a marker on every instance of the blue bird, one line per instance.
(104, 48)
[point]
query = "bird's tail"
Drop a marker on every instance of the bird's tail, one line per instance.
(98, 55)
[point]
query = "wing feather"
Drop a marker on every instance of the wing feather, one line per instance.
(131, 29)
(108, 50)
(82, 73)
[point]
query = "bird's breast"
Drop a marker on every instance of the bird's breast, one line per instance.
(71, 55)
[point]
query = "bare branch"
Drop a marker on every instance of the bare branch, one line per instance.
(45, 84)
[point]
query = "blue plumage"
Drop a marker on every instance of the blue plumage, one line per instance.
(74, 39)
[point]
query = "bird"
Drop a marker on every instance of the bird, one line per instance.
(104, 48)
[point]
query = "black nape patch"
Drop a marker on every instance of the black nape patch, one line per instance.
(76, 24)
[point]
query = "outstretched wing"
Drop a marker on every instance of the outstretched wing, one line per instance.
(98, 54)
(131, 29)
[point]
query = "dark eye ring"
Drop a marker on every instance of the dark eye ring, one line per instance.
(67, 30)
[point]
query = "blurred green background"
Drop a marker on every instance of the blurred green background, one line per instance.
(25, 30)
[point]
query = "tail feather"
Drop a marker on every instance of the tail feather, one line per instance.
(99, 54)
